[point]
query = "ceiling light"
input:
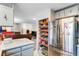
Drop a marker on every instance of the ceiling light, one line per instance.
(34, 18)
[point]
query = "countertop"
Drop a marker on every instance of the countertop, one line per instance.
(17, 43)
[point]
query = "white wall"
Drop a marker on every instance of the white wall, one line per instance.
(51, 19)
(22, 27)
(17, 27)
(42, 14)
(34, 27)
(26, 26)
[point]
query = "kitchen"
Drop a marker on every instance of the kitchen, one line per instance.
(54, 27)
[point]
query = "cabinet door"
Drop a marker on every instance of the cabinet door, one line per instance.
(56, 15)
(16, 54)
(62, 13)
(6, 16)
(27, 47)
(9, 16)
(12, 51)
(28, 52)
(2, 19)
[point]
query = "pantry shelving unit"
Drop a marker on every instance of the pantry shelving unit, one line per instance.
(43, 33)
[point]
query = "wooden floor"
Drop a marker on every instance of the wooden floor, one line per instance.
(56, 52)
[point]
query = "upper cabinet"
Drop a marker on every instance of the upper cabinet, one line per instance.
(6, 16)
(71, 11)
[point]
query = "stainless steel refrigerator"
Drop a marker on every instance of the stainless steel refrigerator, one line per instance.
(63, 31)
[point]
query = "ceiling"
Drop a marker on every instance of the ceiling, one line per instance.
(25, 11)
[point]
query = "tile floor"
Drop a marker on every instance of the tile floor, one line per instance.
(38, 53)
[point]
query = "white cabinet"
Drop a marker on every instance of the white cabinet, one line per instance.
(62, 13)
(27, 47)
(21, 51)
(6, 16)
(57, 15)
(74, 10)
(12, 51)
(28, 52)
(16, 54)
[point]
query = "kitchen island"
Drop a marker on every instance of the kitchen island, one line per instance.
(18, 47)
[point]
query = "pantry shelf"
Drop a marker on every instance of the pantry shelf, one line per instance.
(43, 32)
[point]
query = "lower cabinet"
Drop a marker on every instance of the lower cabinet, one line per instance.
(12, 51)
(16, 54)
(28, 52)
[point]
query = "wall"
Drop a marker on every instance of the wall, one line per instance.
(26, 26)
(42, 14)
(22, 27)
(17, 27)
(51, 19)
(34, 27)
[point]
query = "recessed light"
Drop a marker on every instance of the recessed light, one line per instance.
(34, 18)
